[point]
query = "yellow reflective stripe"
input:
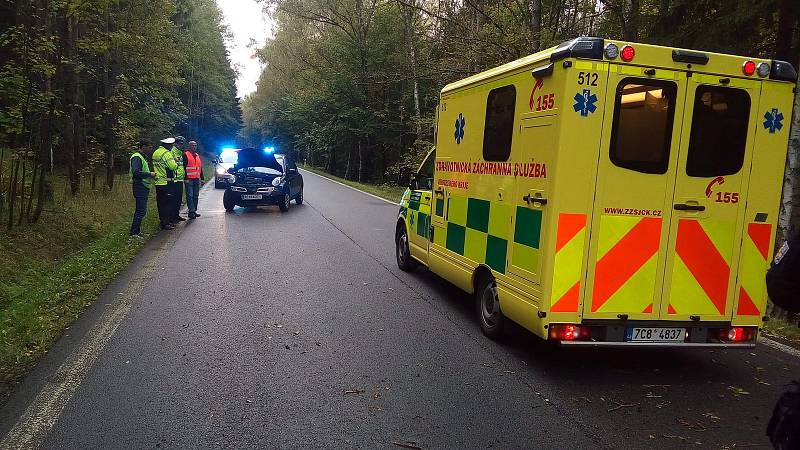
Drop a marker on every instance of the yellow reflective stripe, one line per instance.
(686, 295)
(752, 271)
(612, 230)
(637, 292)
(584, 65)
(721, 234)
(567, 267)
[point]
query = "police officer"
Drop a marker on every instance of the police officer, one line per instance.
(180, 176)
(141, 179)
(165, 167)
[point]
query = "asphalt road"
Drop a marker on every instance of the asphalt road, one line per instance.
(297, 330)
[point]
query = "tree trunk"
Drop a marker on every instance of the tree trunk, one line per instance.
(536, 24)
(22, 194)
(12, 194)
(39, 197)
(791, 186)
(31, 194)
(360, 162)
(784, 34)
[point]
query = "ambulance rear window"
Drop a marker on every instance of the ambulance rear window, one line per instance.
(719, 131)
(499, 127)
(642, 132)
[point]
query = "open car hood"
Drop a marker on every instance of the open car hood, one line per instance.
(251, 157)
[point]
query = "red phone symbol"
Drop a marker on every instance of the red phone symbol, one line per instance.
(718, 180)
(539, 83)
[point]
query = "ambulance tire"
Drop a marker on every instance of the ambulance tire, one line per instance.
(487, 304)
(402, 252)
(284, 205)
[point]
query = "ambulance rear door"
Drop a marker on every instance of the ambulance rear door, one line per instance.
(635, 181)
(705, 234)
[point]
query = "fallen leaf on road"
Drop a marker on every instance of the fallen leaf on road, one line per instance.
(354, 391)
(760, 381)
(411, 445)
(737, 391)
(621, 405)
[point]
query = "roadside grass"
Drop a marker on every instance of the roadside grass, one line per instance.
(387, 191)
(788, 331)
(50, 271)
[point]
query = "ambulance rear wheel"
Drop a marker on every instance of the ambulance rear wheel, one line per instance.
(490, 317)
(404, 260)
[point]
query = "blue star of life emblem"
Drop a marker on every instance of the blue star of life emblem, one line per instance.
(773, 120)
(460, 122)
(585, 102)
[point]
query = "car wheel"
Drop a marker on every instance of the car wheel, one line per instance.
(299, 198)
(487, 302)
(228, 202)
(404, 260)
(284, 205)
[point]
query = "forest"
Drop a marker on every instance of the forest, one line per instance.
(81, 81)
(351, 86)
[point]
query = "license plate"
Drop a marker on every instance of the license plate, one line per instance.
(251, 196)
(636, 334)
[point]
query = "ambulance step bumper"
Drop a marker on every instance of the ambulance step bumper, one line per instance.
(740, 345)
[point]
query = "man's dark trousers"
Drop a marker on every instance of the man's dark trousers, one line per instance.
(164, 201)
(141, 194)
(177, 200)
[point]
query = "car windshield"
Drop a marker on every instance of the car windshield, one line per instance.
(259, 169)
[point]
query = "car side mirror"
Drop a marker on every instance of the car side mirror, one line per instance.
(232, 170)
(404, 178)
(215, 161)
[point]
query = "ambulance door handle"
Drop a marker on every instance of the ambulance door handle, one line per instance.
(685, 207)
(528, 199)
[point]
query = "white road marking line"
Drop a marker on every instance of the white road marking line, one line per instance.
(778, 346)
(351, 187)
(39, 417)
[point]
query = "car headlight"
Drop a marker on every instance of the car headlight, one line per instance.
(232, 179)
(221, 171)
(276, 181)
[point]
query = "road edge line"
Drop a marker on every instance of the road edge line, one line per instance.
(351, 187)
(778, 346)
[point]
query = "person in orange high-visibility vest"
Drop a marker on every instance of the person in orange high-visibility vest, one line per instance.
(194, 178)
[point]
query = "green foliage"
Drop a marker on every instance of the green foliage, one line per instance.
(352, 86)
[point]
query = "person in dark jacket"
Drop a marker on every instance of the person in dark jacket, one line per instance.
(141, 179)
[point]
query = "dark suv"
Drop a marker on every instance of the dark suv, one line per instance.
(262, 178)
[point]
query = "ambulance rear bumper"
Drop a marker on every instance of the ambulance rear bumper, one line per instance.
(740, 345)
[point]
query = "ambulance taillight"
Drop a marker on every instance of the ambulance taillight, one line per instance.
(627, 53)
(736, 334)
(749, 68)
(569, 332)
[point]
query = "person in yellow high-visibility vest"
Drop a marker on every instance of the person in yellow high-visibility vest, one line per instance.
(180, 176)
(194, 178)
(165, 167)
(141, 180)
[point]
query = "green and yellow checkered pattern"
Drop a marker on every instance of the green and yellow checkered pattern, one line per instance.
(417, 220)
(479, 230)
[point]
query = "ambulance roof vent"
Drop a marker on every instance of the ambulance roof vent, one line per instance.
(582, 47)
(783, 71)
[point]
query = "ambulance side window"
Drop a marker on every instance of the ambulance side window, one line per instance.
(642, 132)
(425, 174)
(719, 131)
(499, 126)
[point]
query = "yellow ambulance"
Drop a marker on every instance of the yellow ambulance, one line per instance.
(607, 193)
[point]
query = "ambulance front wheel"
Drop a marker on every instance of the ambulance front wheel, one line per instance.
(490, 317)
(404, 260)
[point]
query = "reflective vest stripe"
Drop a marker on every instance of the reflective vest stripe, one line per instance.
(703, 260)
(753, 268)
(193, 165)
(567, 269)
(624, 260)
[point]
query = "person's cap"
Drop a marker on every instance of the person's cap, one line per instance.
(180, 139)
(144, 143)
(168, 141)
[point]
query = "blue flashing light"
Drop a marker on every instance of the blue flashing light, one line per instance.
(269, 149)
